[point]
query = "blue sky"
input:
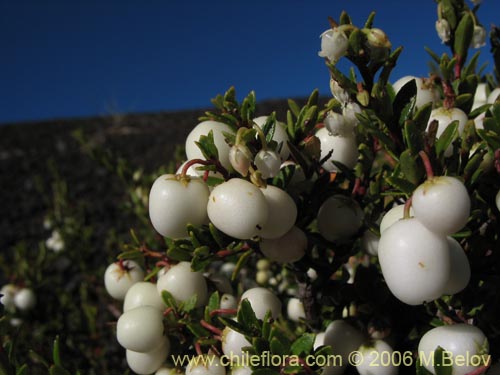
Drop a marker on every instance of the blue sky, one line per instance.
(82, 58)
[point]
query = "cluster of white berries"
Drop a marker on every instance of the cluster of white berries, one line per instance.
(15, 298)
(140, 328)
(419, 259)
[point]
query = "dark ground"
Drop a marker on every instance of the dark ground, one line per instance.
(146, 141)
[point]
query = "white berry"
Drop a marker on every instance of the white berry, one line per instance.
(227, 203)
(233, 343)
(280, 136)
(25, 299)
(8, 293)
(344, 149)
(426, 91)
(282, 212)
(295, 309)
(183, 283)
(228, 301)
(442, 204)
(150, 361)
(339, 217)
(459, 268)
(262, 300)
(205, 365)
(174, 203)
(287, 249)
(445, 117)
(143, 293)
(497, 200)
(118, 278)
(140, 329)
(378, 352)
(415, 262)
(203, 128)
(343, 339)
(395, 214)
(460, 341)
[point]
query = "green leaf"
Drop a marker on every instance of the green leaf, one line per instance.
(294, 107)
(409, 167)
(413, 137)
(242, 260)
(442, 362)
(190, 304)
(448, 11)
(56, 354)
(213, 301)
(433, 55)
(23, 370)
(461, 100)
(207, 146)
(463, 35)
(403, 185)
(304, 344)
(195, 328)
(420, 369)
(277, 347)
(492, 139)
(179, 254)
(495, 111)
(246, 316)
(447, 137)
(58, 370)
(168, 299)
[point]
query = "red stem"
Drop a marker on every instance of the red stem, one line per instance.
(223, 311)
(197, 347)
(216, 163)
(211, 328)
(427, 165)
(479, 371)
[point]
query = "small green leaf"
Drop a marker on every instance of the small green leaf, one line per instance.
(207, 146)
(413, 137)
(442, 362)
(196, 329)
(58, 370)
(247, 317)
(56, 355)
(190, 304)
(242, 260)
(277, 347)
(23, 370)
(492, 139)
(420, 369)
(461, 100)
(181, 255)
(303, 345)
(409, 167)
(463, 35)
(403, 185)
(168, 299)
(447, 137)
(294, 107)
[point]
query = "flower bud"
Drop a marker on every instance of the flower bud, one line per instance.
(334, 44)
(338, 92)
(268, 163)
(349, 113)
(240, 158)
(443, 30)
(479, 37)
(336, 124)
(378, 44)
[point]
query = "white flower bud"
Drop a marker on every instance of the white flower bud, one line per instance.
(334, 43)
(268, 163)
(338, 92)
(336, 124)
(479, 37)
(240, 158)
(349, 112)
(443, 30)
